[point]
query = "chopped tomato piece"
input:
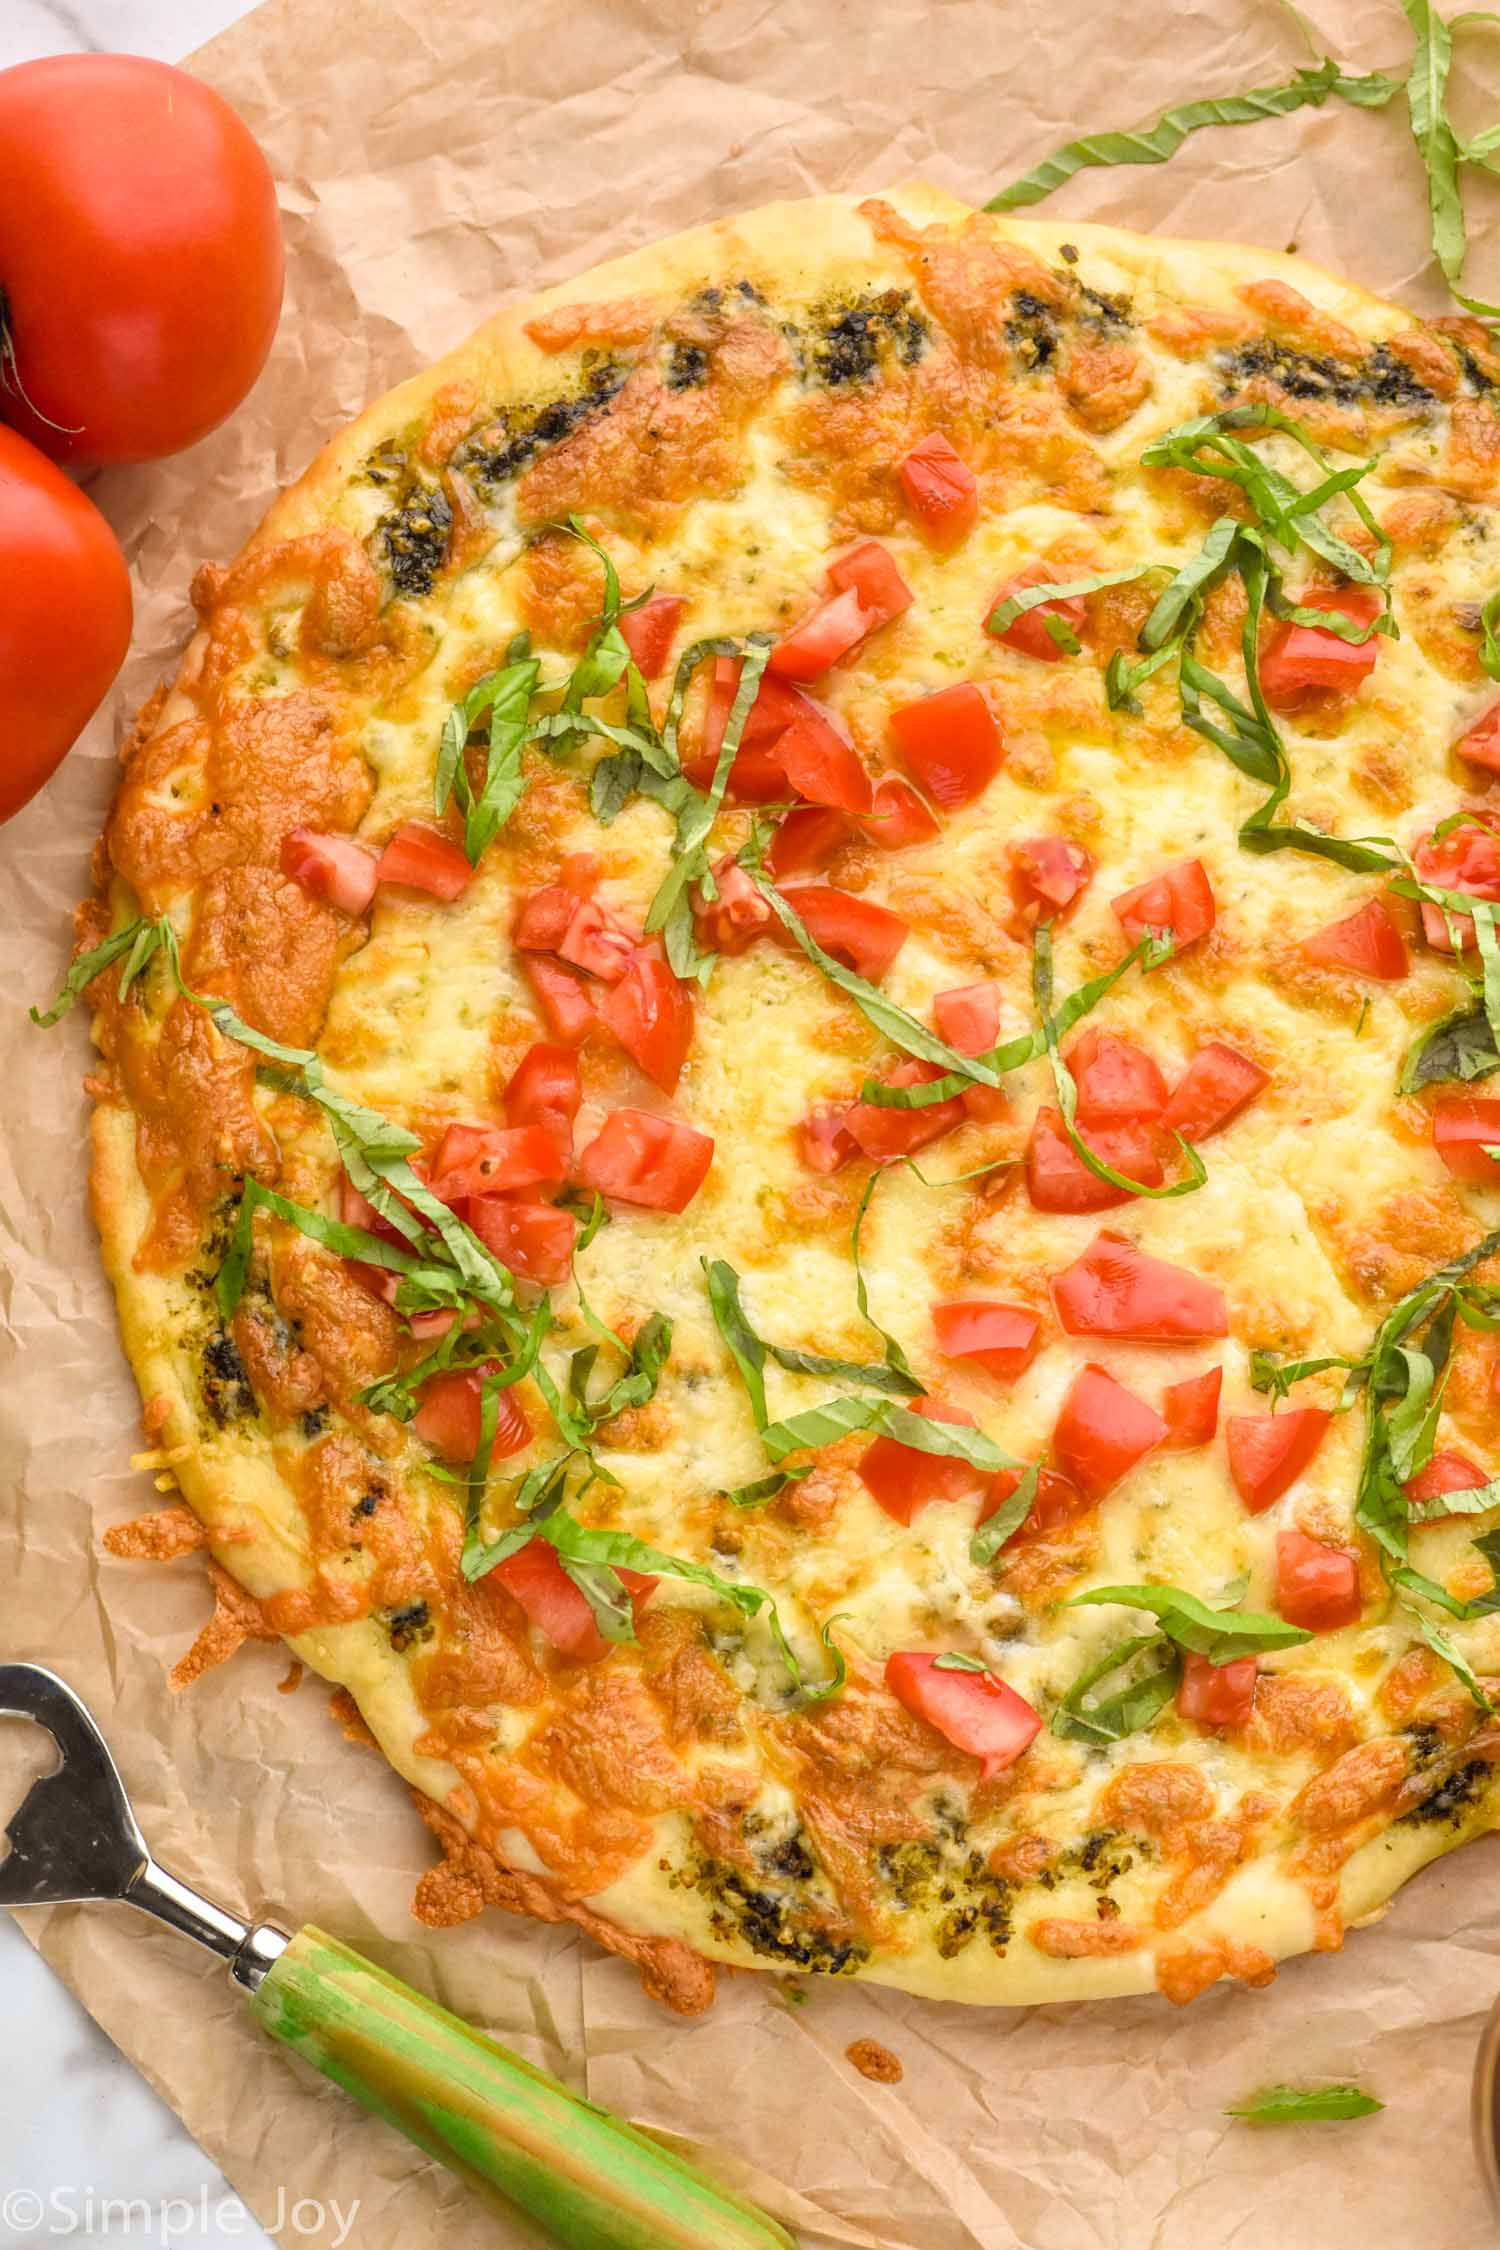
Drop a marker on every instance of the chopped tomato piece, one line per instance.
(951, 742)
(653, 1162)
(1445, 1472)
(534, 1239)
(1481, 745)
(870, 572)
(901, 1479)
(448, 1417)
(756, 776)
(542, 923)
(940, 490)
(648, 632)
(1300, 660)
(1178, 900)
(332, 868)
(975, 1711)
(826, 634)
(1190, 1410)
(1217, 1695)
(883, 1133)
(420, 858)
(805, 841)
(1102, 1431)
(825, 1143)
(598, 942)
(489, 1160)
(562, 997)
(968, 1017)
(1366, 942)
(1215, 1087)
(651, 1014)
(864, 936)
(1057, 1179)
(1048, 875)
(1114, 1289)
(1268, 1452)
(1058, 1500)
(1118, 1083)
(1002, 1339)
(1464, 1129)
(545, 1089)
(535, 1578)
(1467, 859)
(1028, 632)
(822, 767)
(1317, 1587)
(735, 917)
(899, 817)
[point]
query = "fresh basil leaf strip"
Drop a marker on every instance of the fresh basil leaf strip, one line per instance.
(1025, 598)
(1437, 145)
(1460, 1046)
(1222, 1635)
(1153, 144)
(1296, 2105)
(333, 1234)
(1441, 1646)
(839, 1417)
(1110, 1718)
(990, 1536)
(952, 1661)
(137, 942)
(764, 1488)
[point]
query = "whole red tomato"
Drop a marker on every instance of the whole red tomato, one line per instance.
(140, 257)
(64, 616)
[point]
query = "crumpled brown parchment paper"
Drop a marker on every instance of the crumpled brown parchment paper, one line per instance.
(432, 156)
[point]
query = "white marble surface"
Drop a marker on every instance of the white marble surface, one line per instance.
(87, 2152)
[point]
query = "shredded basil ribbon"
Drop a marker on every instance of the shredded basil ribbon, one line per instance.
(1104, 1719)
(1295, 2105)
(1222, 1635)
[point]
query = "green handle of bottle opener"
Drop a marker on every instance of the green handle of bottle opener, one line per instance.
(517, 2136)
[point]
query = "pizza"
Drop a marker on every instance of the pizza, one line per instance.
(792, 1002)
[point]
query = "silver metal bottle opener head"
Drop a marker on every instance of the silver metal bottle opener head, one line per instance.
(75, 1837)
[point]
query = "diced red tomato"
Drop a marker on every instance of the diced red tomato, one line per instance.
(1029, 631)
(952, 743)
(806, 839)
(1445, 1472)
(1180, 900)
(883, 1133)
(822, 767)
(975, 1711)
(1118, 1083)
(420, 858)
(1366, 942)
(1190, 1410)
(824, 635)
(1467, 859)
(562, 997)
(545, 1089)
(735, 917)
(825, 1143)
(534, 1577)
(1217, 1695)
(968, 1017)
(940, 490)
(650, 1012)
(1317, 1587)
(899, 817)
(1301, 660)
(1057, 1179)
(534, 1239)
(542, 923)
(448, 1417)
(1002, 1339)
(1115, 1289)
(901, 1479)
(1048, 875)
(1102, 1431)
(1464, 1128)
(864, 936)
(490, 1160)
(653, 1162)
(1217, 1084)
(648, 632)
(869, 571)
(332, 868)
(1058, 1500)
(598, 942)
(1481, 745)
(1268, 1452)
(756, 776)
